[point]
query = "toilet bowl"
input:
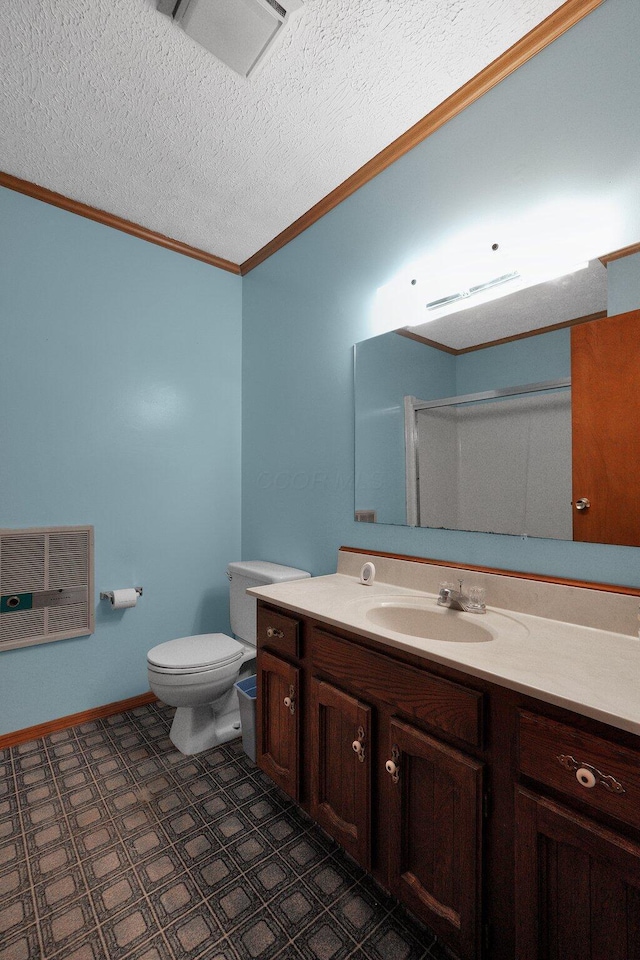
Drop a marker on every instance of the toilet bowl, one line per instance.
(196, 674)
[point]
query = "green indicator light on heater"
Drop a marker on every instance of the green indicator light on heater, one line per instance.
(14, 602)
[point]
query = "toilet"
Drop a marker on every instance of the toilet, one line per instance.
(196, 674)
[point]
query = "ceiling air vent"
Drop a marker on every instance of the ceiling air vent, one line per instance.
(241, 33)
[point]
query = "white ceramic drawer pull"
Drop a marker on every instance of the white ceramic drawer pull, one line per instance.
(588, 776)
(585, 777)
(290, 701)
(358, 745)
(393, 766)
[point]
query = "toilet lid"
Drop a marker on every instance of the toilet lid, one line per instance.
(203, 650)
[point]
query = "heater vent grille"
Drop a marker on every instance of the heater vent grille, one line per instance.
(46, 585)
(278, 9)
(240, 33)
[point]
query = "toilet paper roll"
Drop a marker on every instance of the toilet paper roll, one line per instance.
(124, 598)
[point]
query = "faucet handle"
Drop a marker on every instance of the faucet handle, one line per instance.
(446, 587)
(477, 598)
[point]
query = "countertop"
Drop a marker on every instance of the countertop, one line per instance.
(591, 671)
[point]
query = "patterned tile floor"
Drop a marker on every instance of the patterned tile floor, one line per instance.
(114, 845)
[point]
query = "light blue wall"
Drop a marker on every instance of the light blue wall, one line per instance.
(566, 126)
(388, 368)
(623, 280)
(530, 360)
(120, 406)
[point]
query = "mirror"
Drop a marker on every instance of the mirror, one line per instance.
(478, 435)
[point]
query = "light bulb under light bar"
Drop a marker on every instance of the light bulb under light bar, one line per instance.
(497, 287)
(472, 291)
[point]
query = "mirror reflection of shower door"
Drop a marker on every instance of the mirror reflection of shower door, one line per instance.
(500, 465)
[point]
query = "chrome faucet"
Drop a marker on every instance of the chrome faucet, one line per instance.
(473, 602)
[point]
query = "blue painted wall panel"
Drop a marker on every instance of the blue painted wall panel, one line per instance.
(388, 368)
(624, 281)
(120, 406)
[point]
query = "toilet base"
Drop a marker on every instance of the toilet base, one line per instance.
(201, 726)
(195, 729)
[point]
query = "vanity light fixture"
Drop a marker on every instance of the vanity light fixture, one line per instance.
(472, 291)
(497, 287)
(499, 254)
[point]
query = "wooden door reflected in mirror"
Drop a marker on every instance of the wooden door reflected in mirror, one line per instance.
(605, 374)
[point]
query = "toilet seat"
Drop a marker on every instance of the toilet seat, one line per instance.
(197, 654)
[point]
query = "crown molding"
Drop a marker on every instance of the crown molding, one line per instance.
(110, 220)
(619, 254)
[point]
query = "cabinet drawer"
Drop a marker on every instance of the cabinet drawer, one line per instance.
(593, 770)
(279, 632)
(444, 705)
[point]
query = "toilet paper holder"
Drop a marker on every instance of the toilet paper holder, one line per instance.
(108, 594)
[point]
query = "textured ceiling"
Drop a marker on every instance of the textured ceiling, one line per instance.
(110, 103)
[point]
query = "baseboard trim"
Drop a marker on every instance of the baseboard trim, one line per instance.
(74, 719)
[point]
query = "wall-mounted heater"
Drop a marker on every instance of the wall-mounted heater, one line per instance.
(241, 33)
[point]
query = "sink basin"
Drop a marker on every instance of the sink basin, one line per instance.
(428, 623)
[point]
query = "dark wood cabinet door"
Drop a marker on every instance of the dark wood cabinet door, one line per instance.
(436, 835)
(278, 721)
(605, 407)
(340, 768)
(577, 886)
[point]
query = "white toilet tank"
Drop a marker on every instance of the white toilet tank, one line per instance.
(253, 573)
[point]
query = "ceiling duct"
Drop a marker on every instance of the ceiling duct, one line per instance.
(241, 33)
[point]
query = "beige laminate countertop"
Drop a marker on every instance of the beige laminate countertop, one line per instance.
(591, 671)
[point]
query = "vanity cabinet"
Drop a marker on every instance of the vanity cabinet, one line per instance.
(425, 798)
(470, 802)
(577, 885)
(278, 722)
(340, 767)
(376, 770)
(577, 880)
(435, 834)
(278, 699)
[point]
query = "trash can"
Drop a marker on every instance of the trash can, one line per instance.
(247, 698)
